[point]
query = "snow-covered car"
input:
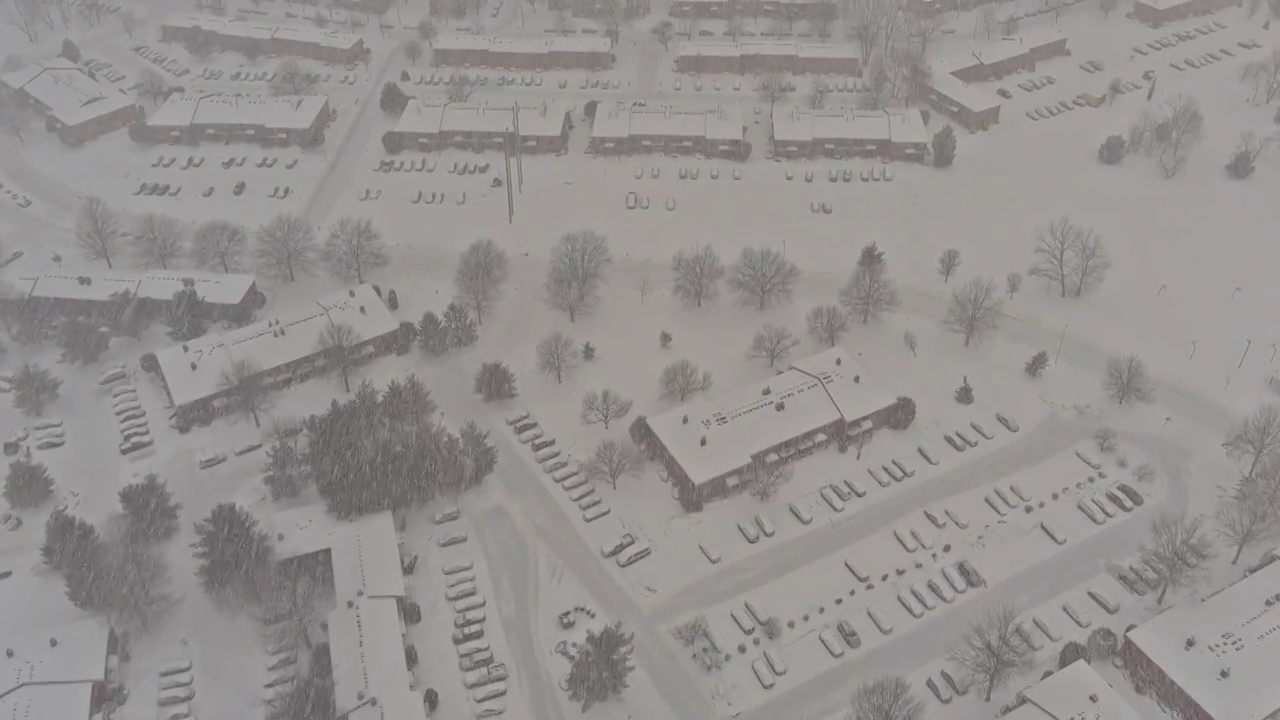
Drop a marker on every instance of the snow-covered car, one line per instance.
(459, 579)
(133, 424)
(497, 672)
(542, 444)
(471, 617)
(710, 552)
(743, 621)
(773, 657)
(173, 682)
(580, 492)
(1104, 602)
(1004, 93)
(954, 579)
(176, 696)
(459, 592)
(565, 474)
(1009, 423)
(1006, 497)
(941, 589)
(910, 604)
(450, 539)
(928, 457)
(181, 711)
(850, 635)
(135, 433)
(892, 472)
(1046, 628)
(1053, 534)
(457, 566)
(125, 405)
(131, 415)
(924, 539)
(762, 674)
(1102, 506)
(554, 464)
(855, 488)
(529, 436)
(877, 619)
(1081, 620)
(906, 540)
(939, 690)
(832, 500)
(595, 513)
(124, 398)
(50, 443)
(466, 605)
(749, 532)
(44, 425)
(956, 519)
(856, 571)
(955, 444)
(923, 595)
(634, 555)
(831, 643)
(765, 524)
(121, 390)
(493, 708)
(936, 520)
(207, 461)
(903, 469)
(475, 660)
(957, 687)
(112, 375)
(841, 491)
(995, 506)
(1134, 496)
(800, 514)
(1129, 583)
(966, 439)
(615, 548)
(546, 454)
(447, 515)
(525, 426)
(467, 633)
(971, 574)
(10, 522)
(133, 446)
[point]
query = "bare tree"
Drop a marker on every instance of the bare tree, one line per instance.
(690, 631)
(1185, 125)
(481, 273)
(763, 277)
(909, 339)
(989, 21)
(1257, 437)
(242, 381)
(1253, 145)
(886, 698)
(870, 291)
(1091, 260)
(286, 247)
(128, 21)
(826, 324)
(1053, 255)
(695, 276)
(1243, 521)
(864, 23)
(157, 239)
(219, 244)
(1105, 440)
(1013, 283)
(1177, 551)
(924, 27)
(948, 261)
(879, 84)
(413, 50)
(97, 230)
(292, 79)
(612, 459)
(557, 355)
(353, 248)
(1126, 379)
(772, 88)
(860, 442)
(665, 32)
(817, 97)
(682, 378)
(604, 407)
(1108, 6)
(15, 116)
(151, 84)
(337, 340)
(28, 16)
(991, 651)
(1265, 75)
(766, 479)
(458, 90)
(771, 344)
(644, 287)
(975, 309)
(576, 270)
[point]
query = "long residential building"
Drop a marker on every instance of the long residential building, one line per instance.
(61, 673)
(74, 105)
(432, 126)
(270, 121)
(1160, 12)
(627, 129)
(1214, 659)
(1076, 692)
(284, 350)
(100, 294)
(790, 10)
(600, 8)
(953, 88)
(259, 38)
(712, 446)
(578, 52)
(749, 57)
(845, 132)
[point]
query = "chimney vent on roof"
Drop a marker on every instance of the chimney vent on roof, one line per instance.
(857, 379)
(193, 367)
(362, 311)
(1224, 673)
(838, 359)
(53, 642)
(684, 420)
(703, 441)
(351, 292)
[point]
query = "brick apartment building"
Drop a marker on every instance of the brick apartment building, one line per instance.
(711, 132)
(753, 57)
(844, 133)
(581, 52)
(328, 46)
(788, 10)
(101, 294)
(1160, 12)
(710, 447)
(59, 673)
(74, 105)
(1213, 659)
(430, 127)
(270, 121)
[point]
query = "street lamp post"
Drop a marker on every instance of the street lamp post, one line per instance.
(1193, 350)
(1248, 344)
(1060, 341)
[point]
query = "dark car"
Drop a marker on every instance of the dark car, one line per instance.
(1134, 496)
(542, 444)
(849, 634)
(1004, 93)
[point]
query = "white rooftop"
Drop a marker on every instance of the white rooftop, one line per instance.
(1000, 50)
(740, 424)
(730, 49)
(545, 119)
(364, 550)
(262, 31)
(71, 700)
(722, 122)
(70, 94)
(1230, 671)
(192, 370)
(802, 125)
(47, 679)
(522, 44)
(366, 649)
(216, 288)
(1076, 692)
(284, 112)
(975, 98)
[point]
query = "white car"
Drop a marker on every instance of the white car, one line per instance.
(47, 425)
(132, 424)
(113, 375)
(743, 621)
(749, 533)
(765, 525)
(460, 592)
(489, 692)
(119, 390)
(124, 407)
(616, 547)
(595, 513)
(910, 604)
(455, 538)
(173, 682)
(546, 454)
(955, 579)
(831, 643)
(136, 433)
(176, 696)
(710, 552)
(491, 709)
(457, 566)
(923, 596)
(634, 555)
(124, 399)
(518, 417)
(529, 436)
(447, 515)
(942, 590)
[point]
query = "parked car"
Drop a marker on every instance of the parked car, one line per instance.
(942, 590)
(935, 520)
(1090, 511)
(474, 602)
(489, 692)
(800, 514)
(762, 674)
(565, 473)
(954, 579)
(710, 552)
(923, 596)
(554, 464)
(207, 461)
(475, 660)
(524, 426)
(857, 573)
(1104, 602)
(181, 680)
(1005, 498)
(841, 492)
(1133, 495)
(176, 696)
(903, 469)
(135, 433)
(955, 444)
(765, 525)
(981, 431)
(529, 436)
(849, 634)
(493, 708)
(633, 556)
(112, 375)
(773, 657)
(125, 406)
(460, 591)
(832, 500)
(1102, 506)
(971, 574)
(1053, 534)
(457, 566)
(450, 539)
(1119, 499)
(910, 604)
(892, 472)
(1004, 93)
(128, 399)
(1019, 493)
(471, 617)
(960, 689)
(1009, 423)
(447, 515)
(743, 621)
(941, 692)
(546, 454)
(1082, 621)
(878, 620)
(467, 633)
(966, 439)
(49, 443)
(906, 540)
(128, 448)
(749, 532)
(517, 417)
(135, 414)
(1045, 628)
(1029, 638)
(831, 643)
(1129, 583)
(595, 513)
(855, 488)
(956, 519)
(878, 478)
(616, 547)
(996, 506)
(542, 444)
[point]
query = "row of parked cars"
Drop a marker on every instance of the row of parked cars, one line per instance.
(944, 586)
(135, 433)
(1180, 36)
(563, 471)
(1002, 500)
(175, 690)
(481, 675)
(626, 550)
(280, 668)
(1121, 497)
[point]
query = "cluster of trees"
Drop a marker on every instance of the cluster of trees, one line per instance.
(601, 665)
(34, 387)
(286, 245)
(381, 451)
(1244, 157)
(440, 334)
(27, 484)
(123, 575)
(1168, 134)
(1069, 256)
(34, 17)
(1250, 513)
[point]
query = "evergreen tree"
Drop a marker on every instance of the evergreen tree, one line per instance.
(944, 147)
(68, 540)
(495, 381)
(481, 456)
(27, 485)
(964, 393)
(231, 550)
(1037, 364)
(283, 474)
(601, 666)
(83, 341)
(149, 510)
(87, 581)
(34, 387)
(392, 100)
(1112, 150)
(1072, 652)
(460, 327)
(433, 337)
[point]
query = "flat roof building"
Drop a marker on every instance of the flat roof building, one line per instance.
(57, 674)
(72, 102)
(746, 57)
(526, 52)
(1075, 692)
(1214, 659)
(270, 121)
(329, 46)
(95, 293)
(712, 445)
(626, 128)
(370, 673)
(1160, 12)
(846, 132)
(431, 126)
(364, 551)
(949, 89)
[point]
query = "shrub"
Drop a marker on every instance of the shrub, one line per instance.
(964, 393)
(1072, 652)
(393, 142)
(1103, 643)
(1036, 365)
(1241, 165)
(901, 414)
(944, 147)
(664, 340)
(1112, 150)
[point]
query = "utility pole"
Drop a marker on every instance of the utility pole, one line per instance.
(515, 123)
(506, 159)
(1248, 344)
(1060, 341)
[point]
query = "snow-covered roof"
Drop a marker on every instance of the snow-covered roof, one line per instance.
(777, 48)
(192, 370)
(802, 125)
(246, 29)
(366, 649)
(1230, 669)
(522, 44)
(71, 95)
(737, 425)
(100, 285)
(1076, 692)
(284, 112)
(999, 50)
(545, 119)
(972, 98)
(364, 551)
(722, 122)
(48, 679)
